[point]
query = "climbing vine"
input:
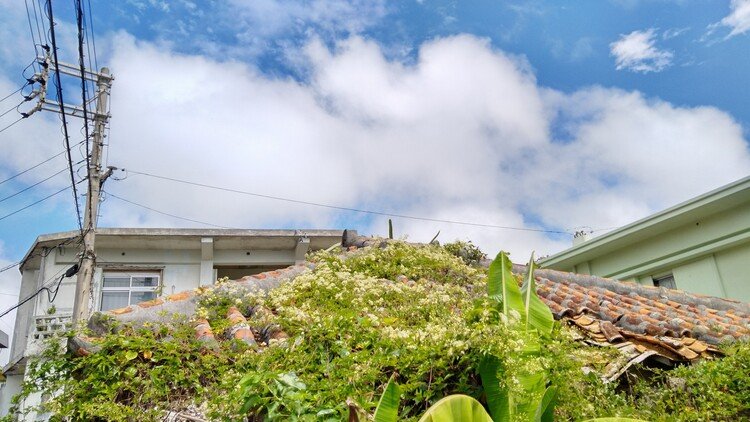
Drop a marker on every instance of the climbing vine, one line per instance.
(419, 313)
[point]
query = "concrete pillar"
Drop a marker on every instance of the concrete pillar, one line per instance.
(303, 245)
(207, 262)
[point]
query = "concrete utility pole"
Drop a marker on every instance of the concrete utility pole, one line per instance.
(96, 178)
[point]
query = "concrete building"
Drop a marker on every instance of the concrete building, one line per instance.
(135, 265)
(701, 246)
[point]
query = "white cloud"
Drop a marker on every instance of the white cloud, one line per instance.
(738, 19)
(463, 133)
(637, 52)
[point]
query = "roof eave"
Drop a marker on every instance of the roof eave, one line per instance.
(571, 255)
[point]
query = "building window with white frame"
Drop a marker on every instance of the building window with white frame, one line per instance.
(121, 288)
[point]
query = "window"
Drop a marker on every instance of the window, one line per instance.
(120, 289)
(665, 281)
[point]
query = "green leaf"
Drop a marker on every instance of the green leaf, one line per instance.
(291, 380)
(537, 314)
(498, 399)
(387, 410)
(545, 411)
(131, 354)
(457, 407)
(615, 419)
(533, 386)
(500, 282)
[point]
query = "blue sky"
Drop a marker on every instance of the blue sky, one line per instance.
(543, 115)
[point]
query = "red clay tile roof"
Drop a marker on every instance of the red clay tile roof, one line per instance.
(675, 324)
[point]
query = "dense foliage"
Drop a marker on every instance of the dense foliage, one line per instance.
(418, 313)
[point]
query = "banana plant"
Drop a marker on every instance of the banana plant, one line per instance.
(460, 407)
(503, 287)
(535, 319)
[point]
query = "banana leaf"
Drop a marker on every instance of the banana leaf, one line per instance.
(502, 284)
(545, 409)
(387, 410)
(537, 314)
(457, 407)
(498, 400)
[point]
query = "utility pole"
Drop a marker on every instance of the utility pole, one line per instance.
(96, 178)
(100, 117)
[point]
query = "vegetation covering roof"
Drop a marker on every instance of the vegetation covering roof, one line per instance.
(320, 341)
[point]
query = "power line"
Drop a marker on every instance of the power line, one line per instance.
(10, 125)
(35, 166)
(84, 105)
(36, 19)
(45, 252)
(166, 213)
(15, 107)
(13, 93)
(335, 207)
(28, 16)
(58, 86)
(51, 294)
(93, 39)
(34, 203)
(31, 186)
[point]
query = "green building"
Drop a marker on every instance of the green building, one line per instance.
(701, 246)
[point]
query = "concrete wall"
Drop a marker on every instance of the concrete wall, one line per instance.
(8, 389)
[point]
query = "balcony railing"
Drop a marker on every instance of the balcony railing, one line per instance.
(46, 326)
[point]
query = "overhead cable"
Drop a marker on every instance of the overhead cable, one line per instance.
(35, 166)
(84, 101)
(31, 186)
(51, 293)
(58, 86)
(45, 252)
(166, 213)
(13, 93)
(34, 203)
(335, 207)
(10, 125)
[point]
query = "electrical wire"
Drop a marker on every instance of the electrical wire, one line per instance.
(33, 38)
(34, 166)
(10, 125)
(335, 207)
(51, 294)
(13, 93)
(31, 186)
(84, 106)
(93, 39)
(45, 252)
(58, 86)
(35, 203)
(36, 18)
(15, 107)
(166, 213)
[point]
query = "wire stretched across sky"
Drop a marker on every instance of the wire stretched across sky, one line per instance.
(339, 208)
(36, 165)
(58, 87)
(166, 213)
(37, 202)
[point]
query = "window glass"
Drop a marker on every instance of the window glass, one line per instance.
(145, 281)
(114, 300)
(116, 281)
(123, 289)
(138, 297)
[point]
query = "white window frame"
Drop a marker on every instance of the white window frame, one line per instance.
(130, 289)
